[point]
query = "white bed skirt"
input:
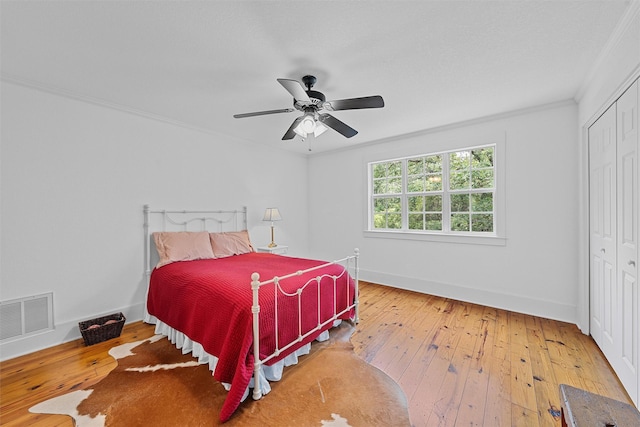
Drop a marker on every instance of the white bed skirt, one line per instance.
(267, 373)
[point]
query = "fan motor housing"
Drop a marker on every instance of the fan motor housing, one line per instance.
(317, 98)
(314, 94)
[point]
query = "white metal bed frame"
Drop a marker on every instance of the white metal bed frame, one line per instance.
(236, 220)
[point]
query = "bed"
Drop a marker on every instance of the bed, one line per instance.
(246, 314)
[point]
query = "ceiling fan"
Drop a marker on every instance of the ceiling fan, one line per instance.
(313, 104)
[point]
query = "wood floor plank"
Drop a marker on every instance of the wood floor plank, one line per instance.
(502, 340)
(413, 347)
(445, 409)
(412, 375)
(546, 392)
(522, 393)
(497, 411)
(398, 346)
(441, 381)
(457, 363)
(523, 417)
(427, 393)
(381, 321)
(475, 392)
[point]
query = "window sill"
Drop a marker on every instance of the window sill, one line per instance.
(490, 240)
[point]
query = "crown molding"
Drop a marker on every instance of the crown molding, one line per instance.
(65, 93)
(100, 102)
(456, 125)
(633, 10)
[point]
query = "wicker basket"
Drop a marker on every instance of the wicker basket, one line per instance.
(103, 332)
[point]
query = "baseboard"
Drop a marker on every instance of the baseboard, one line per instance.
(62, 333)
(517, 303)
(68, 331)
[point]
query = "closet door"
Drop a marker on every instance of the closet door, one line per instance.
(628, 221)
(602, 169)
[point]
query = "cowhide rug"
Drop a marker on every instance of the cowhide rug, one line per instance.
(154, 384)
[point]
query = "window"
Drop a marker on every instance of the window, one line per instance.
(443, 193)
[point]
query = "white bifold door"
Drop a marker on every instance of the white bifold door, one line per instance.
(614, 190)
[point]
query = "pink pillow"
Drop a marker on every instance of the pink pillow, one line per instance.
(230, 243)
(182, 246)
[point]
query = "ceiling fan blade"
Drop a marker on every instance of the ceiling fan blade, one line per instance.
(295, 89)
(337, 125)
(357, 103)
(290, 134)
(263, 113)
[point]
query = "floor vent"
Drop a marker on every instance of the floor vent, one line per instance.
(26, 316)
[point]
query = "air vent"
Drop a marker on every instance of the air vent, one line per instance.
(26, 316)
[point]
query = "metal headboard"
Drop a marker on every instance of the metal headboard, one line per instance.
(184, 220)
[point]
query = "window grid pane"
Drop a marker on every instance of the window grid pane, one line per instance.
(424, 174)
(415, 192)
(387, 177)
(387, 213)
(425, 212)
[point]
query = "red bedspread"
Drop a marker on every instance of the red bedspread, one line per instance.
(210, 302)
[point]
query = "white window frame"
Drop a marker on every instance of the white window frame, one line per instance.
(497, 237)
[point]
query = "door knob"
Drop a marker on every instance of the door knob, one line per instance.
(632, 262)
(602, 250)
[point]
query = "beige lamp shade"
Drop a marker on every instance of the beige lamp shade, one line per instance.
(272, 214)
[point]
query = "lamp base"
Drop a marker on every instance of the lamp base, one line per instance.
(273, 243)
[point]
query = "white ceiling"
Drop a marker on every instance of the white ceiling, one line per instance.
(199, 62)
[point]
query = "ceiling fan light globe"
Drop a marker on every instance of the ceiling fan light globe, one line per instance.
(308, 124)
(320, 129)
(300, 132)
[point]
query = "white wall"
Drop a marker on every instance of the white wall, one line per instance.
(75, 176)
(535, 272)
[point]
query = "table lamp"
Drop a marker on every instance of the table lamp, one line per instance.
(272, 214)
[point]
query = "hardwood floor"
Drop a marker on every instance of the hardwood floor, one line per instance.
(462, 364)
(459, 364)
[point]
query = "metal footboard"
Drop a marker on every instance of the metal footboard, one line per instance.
(350, 263)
